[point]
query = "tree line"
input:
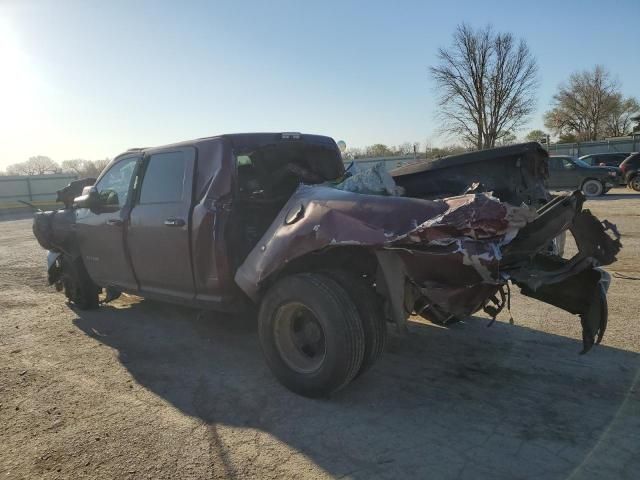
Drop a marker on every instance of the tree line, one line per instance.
(381, 150)
(43, 165)
(487, 81)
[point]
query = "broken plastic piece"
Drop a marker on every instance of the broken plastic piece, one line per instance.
(371, 181)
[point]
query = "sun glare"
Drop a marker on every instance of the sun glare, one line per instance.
(17, 86)
(21, 109)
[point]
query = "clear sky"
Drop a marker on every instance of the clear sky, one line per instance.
(89, 79)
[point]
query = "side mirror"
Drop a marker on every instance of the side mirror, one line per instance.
(89, 199)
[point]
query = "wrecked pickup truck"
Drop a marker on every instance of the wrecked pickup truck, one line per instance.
(273, 222)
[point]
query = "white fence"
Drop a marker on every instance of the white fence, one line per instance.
(32, 188)
(622, 144)
(389, 162)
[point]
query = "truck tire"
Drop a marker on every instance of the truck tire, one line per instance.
(78, 287)
(370, 310)
(634, 183)
(592, 187)
(311, 334)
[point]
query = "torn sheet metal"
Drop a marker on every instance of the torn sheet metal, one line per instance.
(577, 285)
(456, 253)
(454, 242)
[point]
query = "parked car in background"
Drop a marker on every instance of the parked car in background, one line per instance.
(610, 159)
(629, 171)
(570, 173)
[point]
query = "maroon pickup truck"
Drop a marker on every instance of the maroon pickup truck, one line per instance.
(272, 222)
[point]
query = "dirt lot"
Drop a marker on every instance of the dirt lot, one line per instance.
(140, 389)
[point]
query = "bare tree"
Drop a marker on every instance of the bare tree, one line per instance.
(378, 150)
(619, 121)
(535, 135)
(38, 165)
(76, 166)
(17, 169)
(100, 165)
(508, 139)
(43, 165)
(590, 107)
(487, 83)
(85, 168)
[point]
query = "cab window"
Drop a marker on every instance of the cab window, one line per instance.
(113, 188)
(163, 180)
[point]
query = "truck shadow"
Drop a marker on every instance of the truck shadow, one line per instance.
(467, 400)
(615, 196)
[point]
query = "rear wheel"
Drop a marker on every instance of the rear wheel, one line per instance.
(634, 183)
(78, 287)
(592, 188)
(370, 311)
(311, 334)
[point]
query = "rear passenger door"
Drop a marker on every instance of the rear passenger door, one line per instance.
(158, 234)
(555, 173)
(562, 173)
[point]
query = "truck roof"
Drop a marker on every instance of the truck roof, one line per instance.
(249, 141)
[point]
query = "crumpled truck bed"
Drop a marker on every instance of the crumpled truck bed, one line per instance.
(464, 232)
(445, 256)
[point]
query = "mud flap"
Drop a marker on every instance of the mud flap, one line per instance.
(53, 270)
(583, 294)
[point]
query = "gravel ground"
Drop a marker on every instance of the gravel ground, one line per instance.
(139, 389)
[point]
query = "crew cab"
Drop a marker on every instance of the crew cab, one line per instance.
(272, 223)
(569, 173)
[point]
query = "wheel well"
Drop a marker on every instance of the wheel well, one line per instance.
(358, 260)
(590, 178)
(381, 269)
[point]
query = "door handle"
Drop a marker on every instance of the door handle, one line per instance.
(114, 222)
(174, 222)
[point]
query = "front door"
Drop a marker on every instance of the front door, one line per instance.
(100, 233)
(158, 232)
